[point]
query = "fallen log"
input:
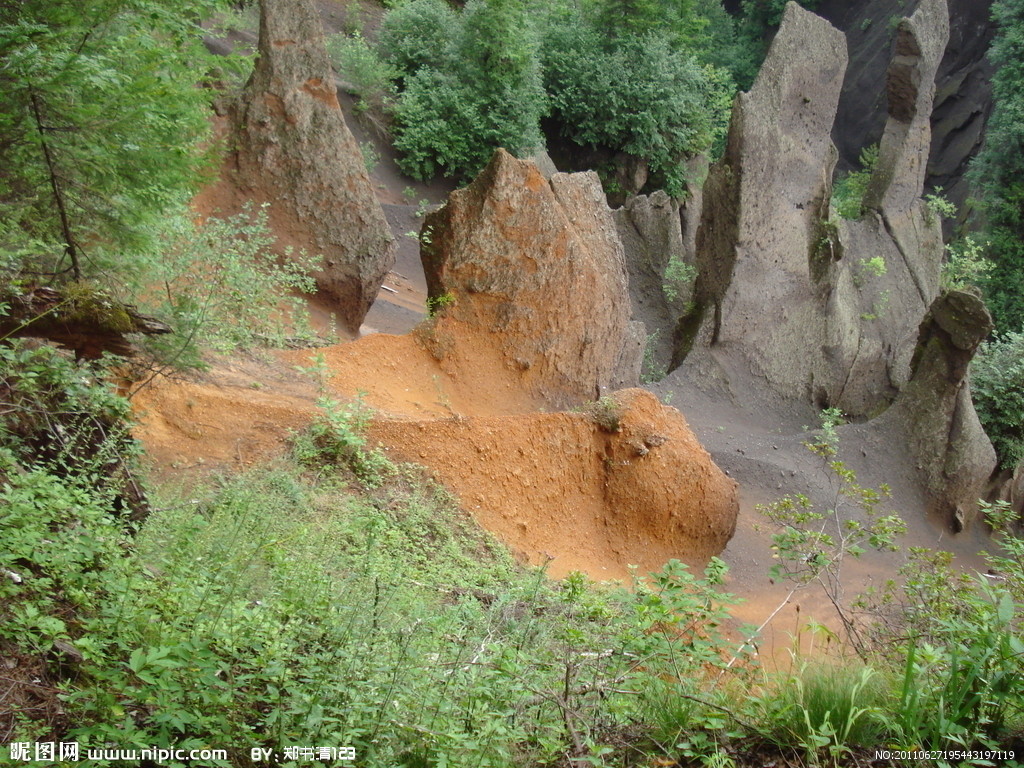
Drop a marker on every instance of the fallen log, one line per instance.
(78, 316)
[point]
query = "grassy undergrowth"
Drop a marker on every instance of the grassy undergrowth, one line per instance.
(338, 600)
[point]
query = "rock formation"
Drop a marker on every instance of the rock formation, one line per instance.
(538, 266)
(295, 151)
(759, 295)
(626, 486)
(963, 98)
(934, 415)
(825, 311)
(874, 339)
(795, 308)
(658, 237)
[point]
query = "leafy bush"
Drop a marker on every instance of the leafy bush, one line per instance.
(642, 96)
(997, 386)
(368, 76)
(220, 285)
(338, 436)
(102, 124)
(848, 191)
(58, 415)
(59, 535)
(486, 94)
(768, 13)
(415, 35)
(966, 265)
(958, 650)
(273, 611)
(998, 168)
(1004, 285)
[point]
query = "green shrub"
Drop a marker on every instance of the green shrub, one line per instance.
(486, 94)
(220, 285)
(966, 265)
(1004, 285)
(642, 96)
(848, 191)
(338, 436)
(997, 386)
(415, 35)
(368, 76)
(59, 535)
(275, 610)
(102, 127)
(937, 207)
(961, 652)
(998, 168)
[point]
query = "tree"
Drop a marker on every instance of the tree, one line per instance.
(999, 167)
(643, 94)
(101, 126)
(487, 93)
(676, 19)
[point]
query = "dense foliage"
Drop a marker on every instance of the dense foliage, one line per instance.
(649, 79)
(104, 136)
(999, 169)
(637, 91)
(100, 125)
(997, 386)
(487, 93)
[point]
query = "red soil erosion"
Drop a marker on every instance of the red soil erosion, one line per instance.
(552, 486)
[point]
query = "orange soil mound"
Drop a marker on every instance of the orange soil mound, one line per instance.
(220, 422)
(424, 374)
(550, 485)
(558, 487)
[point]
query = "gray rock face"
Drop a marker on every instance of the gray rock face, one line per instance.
(650, 228)
(795, 309)
(934, 413)
(295, 151)
(910, 89)
(758, 295)
(1011, 490)
(963, 98)
(824, 311)
(537, 267)
(898, 234)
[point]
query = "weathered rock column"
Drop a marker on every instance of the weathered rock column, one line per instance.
(756, 297)
(537, 266)
(295, 151)
(934, 413)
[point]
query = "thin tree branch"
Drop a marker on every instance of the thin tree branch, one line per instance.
(65, 224)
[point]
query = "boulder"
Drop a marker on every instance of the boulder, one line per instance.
(537, 267)
(295, 151)
(933, 414)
